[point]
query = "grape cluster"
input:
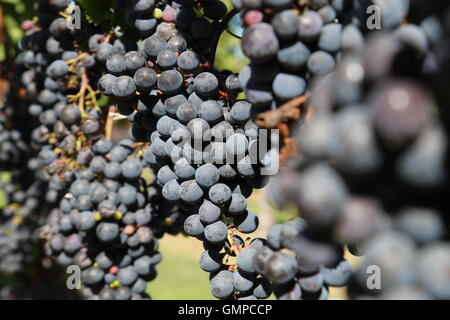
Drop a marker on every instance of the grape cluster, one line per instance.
(13, 146)
(372, 174)
(18, 222)
(200, 31)
(106, 224)
(204, 145)
(308, 274)
(288, 44)
(62, 105)
(20, 196)
(233, 273)
(70, 163)
(197, 22)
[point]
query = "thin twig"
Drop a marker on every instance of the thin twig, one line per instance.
(281, 119)
(223, 25)
(108, 38)
(92, 95)
(290, 111)
(109, 122)
(82, 92)
(81, 56)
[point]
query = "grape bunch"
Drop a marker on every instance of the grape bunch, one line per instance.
(372, 174)
(106, 224)
(13, 146)
(204, 145)
(310, 271)
(69, 152)
(18, 222)
(200, 23)
(61, 103)
(290, 43)
(233, 274)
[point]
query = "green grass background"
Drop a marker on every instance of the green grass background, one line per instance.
(179, 275)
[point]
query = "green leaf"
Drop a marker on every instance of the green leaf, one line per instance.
(229, 54)
(103, 100)
(5, 177)
(13, 28)
(23, 8)
(2, 52)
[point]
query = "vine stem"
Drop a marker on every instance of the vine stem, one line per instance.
(81, 56)
(223, 25)
(108, 38)
(109, 122)
(290, 111)
(84, 83)
(281, 119)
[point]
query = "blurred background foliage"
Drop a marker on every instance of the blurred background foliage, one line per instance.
(12, 13)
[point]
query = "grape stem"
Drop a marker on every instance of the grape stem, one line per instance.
(222, 27)
(92, 95)
(81, 56)
(82, 92)
(280, 119)
(109, 122)
(108, 38)
(64, 15)
(290, 111)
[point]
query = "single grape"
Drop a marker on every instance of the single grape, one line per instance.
(259, 42)
(216, 232)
